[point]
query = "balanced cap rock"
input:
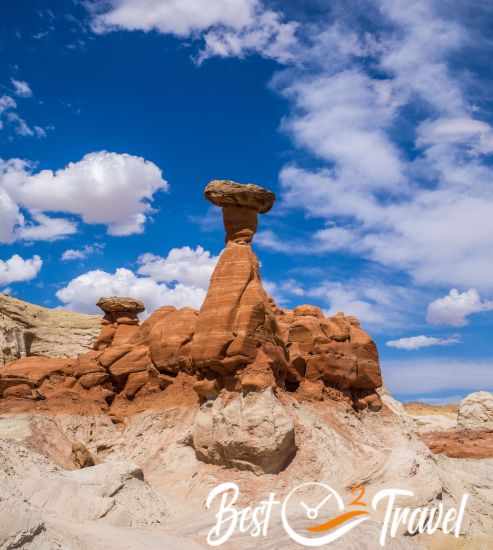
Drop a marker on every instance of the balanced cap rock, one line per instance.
(249, 195)
(117, 304)
(240, 203)
(121, 310)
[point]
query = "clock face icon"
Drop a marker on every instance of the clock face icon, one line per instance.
(313, 514)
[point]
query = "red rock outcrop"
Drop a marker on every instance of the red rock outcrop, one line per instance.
(334, 350)
(239, 341)
(461, 443)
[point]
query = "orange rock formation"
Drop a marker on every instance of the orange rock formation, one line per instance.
(238, 341)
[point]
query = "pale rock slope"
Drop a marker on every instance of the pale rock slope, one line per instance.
(27, 329)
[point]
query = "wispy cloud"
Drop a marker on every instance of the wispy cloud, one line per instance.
(9, 114)
(72, 254)
(379, 306)
(422, 341)
(21, 88)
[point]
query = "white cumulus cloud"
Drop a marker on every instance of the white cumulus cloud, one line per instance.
(349, 129)
(10, 216)
(112, 189)
(17, 269)
(267, 35)
(181, 17)
(73, 254)
(82, 293)
(422, 341)
(456, 307)
(186, 265)
(160, 281)
(45, 228)
(228, 27)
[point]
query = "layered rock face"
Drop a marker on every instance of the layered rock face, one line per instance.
(29, 330)
(239, 341)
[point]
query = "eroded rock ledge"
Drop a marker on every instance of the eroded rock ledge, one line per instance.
(461, 443)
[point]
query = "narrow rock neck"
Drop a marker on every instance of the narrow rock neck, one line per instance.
(240, 224)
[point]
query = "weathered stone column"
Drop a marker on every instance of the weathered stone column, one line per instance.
(120, 321)
(235, 318)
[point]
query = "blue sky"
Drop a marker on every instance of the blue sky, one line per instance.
(371, 120)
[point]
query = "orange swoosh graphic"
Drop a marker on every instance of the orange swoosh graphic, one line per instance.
(336, 521)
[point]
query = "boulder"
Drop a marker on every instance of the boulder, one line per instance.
(112, 354)
(257, 378)
(86, 364)
(93, 379)
(249, 432)
(307, 310)
(206, 389)
(148, 324)
(229, 193)
(135, 361)
(135, 381)
(117, 304)
(169, 337)
(33, 370)
(81, 455)
(311, 391)
(371, 401)
(476, 411)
